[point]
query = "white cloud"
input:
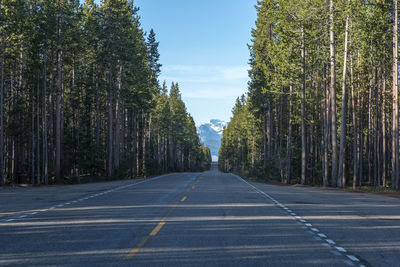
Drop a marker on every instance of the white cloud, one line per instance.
(204, 74)
(214, 93)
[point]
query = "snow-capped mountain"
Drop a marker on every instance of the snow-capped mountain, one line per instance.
(211, 134)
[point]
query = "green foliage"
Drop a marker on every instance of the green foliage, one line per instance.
(273, 103)
(112, 109)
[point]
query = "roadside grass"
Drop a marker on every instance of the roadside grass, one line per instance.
(386, 190)
(88, 180)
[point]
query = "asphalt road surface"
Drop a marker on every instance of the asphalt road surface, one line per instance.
(196, 219)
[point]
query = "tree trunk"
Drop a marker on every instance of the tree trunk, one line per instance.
(369, 133)
(326, 131)
(2, 176)
(289, 137)
(33, 138)
(60, 89)
(344, 106)
(38, 178)
(354, 120)
(110, 123)
(144, 143)
(134, 143)
(303, 111)
(97, 118)
(383, 130)
(376, 132)
(117, 136)
(45, 163)
(265, 136)
(395, 121)
(333, 94)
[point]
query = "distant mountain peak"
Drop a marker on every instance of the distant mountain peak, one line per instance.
(211, 134)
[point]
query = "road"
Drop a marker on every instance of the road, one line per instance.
(196, 219)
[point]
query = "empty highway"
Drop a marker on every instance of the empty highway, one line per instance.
(196, 219)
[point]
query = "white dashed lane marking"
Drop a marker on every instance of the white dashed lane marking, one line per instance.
(328, 243)
(81, 199)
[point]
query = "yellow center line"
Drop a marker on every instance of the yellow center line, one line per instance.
(137, 248)
(157, 228)
(134, 251)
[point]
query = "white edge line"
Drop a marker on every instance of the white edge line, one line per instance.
(351, 257)
(307, 224)
(341, 249)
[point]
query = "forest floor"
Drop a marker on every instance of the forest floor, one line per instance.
(386, 191)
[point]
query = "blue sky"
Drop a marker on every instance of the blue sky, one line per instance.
(203, 47)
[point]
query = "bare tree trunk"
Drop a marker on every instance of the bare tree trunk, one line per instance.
(354, 119)
(376, 132)
(144, 141)
(289, 137)
(265, 136)
(117, 136)
(270, 129)
(38, 178)
(361, 146)
(303, 111)
(2, 176)
(110, 123)
(138, 145)
(44, 124)
(395, 121)
(383, 130)
(33, 138)
(253, 154)
(19, 149)
(60, 89)
(344, 106)
(97, 117)
(159, 152)
(326, 131)
(165, 142)
(369, 133)
(333, 94)
(134, 143)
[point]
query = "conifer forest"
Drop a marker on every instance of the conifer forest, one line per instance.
(109, 108)
(81, 99)
(322, 103)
